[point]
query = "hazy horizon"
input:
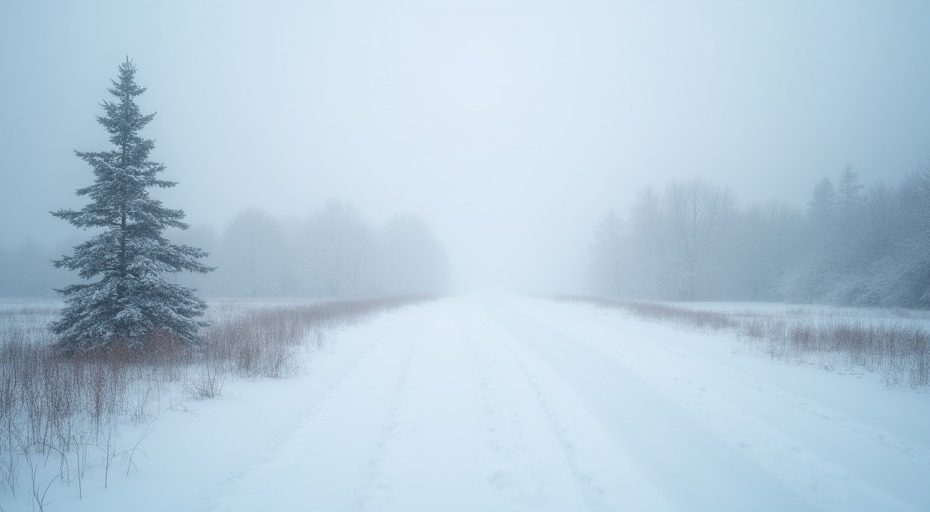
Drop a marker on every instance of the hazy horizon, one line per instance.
(510, 127)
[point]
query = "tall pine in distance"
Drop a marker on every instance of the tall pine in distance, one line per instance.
(127, 298)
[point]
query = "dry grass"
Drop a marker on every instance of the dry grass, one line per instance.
(263, 343)
(898, 350)
(67, 411)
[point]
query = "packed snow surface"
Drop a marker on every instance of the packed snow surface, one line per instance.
(507, 403)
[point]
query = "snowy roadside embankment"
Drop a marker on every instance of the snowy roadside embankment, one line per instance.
(838, 441)
(71, 424)
(894, 344)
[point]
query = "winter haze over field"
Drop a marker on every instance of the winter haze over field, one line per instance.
(464, 255)
(511, 126)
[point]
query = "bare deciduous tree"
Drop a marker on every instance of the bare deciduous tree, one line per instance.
(696, 214)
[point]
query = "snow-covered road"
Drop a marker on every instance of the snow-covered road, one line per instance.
(506, 403)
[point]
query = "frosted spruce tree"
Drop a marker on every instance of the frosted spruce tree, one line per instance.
(128, 257)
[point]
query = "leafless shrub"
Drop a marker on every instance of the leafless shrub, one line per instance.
(265, 343)
(206, 384)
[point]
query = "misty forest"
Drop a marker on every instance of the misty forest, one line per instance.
(848, 245)
(464, 255)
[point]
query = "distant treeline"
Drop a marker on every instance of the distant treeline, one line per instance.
(332, 253)
(852, 245)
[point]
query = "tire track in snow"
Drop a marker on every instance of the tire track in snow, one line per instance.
(376, 488)
(429, 460)
(309, 408)
(272, 479)
(915, 450)
(803, 453)
(666, 440)
(604, 478)
(510, 471)
(591, 493)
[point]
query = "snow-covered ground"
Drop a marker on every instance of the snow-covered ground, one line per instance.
(506, 403)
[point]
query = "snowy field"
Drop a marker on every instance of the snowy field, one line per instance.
(504, 403)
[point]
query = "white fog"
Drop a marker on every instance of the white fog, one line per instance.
(464, 255)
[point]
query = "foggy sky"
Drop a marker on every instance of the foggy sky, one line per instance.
(511, 126)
